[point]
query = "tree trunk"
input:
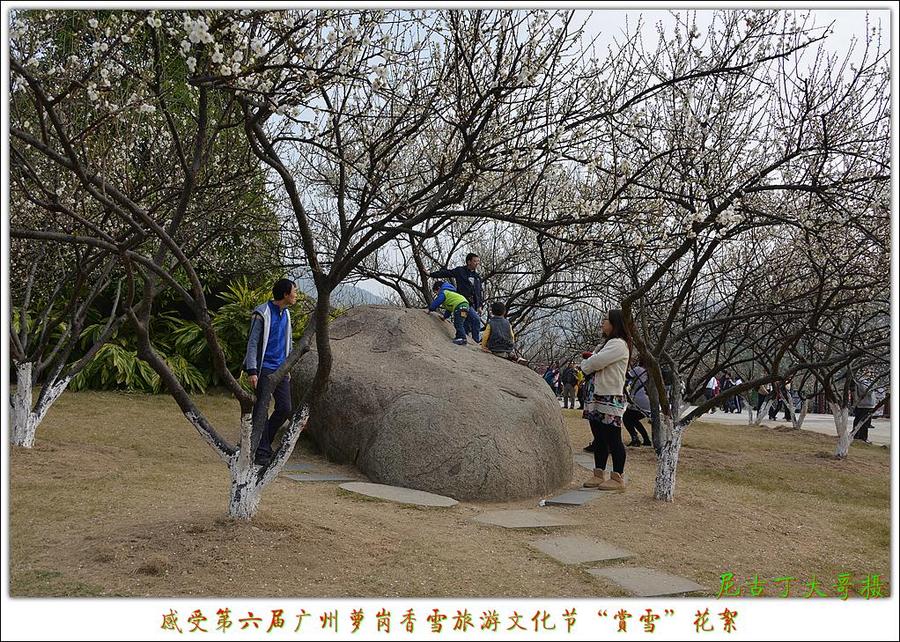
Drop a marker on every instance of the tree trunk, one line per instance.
(797, 418)
(248, 480)
(656, 430)
(25, 418)
(844, 430)
(23, 426)
(245, 490)
(667, 462)
(756, 418)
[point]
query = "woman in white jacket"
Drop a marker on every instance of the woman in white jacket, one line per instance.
(605, 401)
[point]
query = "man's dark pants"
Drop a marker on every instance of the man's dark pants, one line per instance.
(282, 396)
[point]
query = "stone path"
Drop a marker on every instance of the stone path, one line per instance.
(524, 519)
(292, 466)
(307, 472)
(647, 582)
(567, 549)
(398, 494)
(586, 461)
(573, 498)
(574, 549)
(879, 433)
(320, 477)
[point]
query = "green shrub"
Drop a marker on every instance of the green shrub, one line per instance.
(182, 344)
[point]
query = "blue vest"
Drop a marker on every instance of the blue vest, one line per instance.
(275, 352)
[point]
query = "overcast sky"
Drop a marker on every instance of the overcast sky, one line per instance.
(848, 23)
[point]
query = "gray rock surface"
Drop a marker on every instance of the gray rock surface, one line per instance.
(409, 408)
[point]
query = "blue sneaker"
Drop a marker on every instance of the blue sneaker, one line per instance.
(460, 342)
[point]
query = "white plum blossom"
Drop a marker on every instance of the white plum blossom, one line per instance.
(237, 56)
(191, 64)
(93, 23)
(198, 30)
(728, 217)
(185, 46)
(217, 57)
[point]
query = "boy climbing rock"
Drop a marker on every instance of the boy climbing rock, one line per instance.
(454, 304)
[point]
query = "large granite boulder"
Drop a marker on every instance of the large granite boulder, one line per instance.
(410, 408)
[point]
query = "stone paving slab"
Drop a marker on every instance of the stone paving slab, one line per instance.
(574, 549)
(399, 494)
(293, 466)
(320, 477)
(573, 497)
(586, 461)
(524, 519)
(647, 582)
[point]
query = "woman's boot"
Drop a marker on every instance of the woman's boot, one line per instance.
(614, 483)
(598, 478)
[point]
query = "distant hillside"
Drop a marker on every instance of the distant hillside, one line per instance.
(345, 295)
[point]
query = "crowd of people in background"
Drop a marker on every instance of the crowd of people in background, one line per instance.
(462, 302)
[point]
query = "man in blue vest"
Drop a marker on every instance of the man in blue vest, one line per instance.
(268, 346)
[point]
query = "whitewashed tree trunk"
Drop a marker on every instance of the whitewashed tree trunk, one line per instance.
(756, 418)
(245, 490)
(667, 462)
(26, 418)
(23, 427)
(845, 431)
(797, 418)
(249, 480)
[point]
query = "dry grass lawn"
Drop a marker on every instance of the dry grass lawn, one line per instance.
(121, 497)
